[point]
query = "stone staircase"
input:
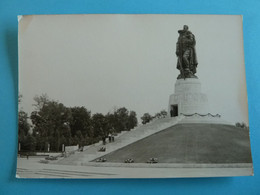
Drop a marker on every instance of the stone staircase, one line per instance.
(125, 138)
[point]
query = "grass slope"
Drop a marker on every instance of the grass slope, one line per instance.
(190, 143)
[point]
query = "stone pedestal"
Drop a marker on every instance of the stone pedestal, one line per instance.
(187, 98)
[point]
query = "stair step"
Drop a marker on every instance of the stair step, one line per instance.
(122, 139)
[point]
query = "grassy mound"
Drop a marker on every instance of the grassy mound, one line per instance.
(190, 143)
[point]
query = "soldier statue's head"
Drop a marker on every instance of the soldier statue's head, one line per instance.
(185, 28)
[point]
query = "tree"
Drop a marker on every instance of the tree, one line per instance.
(23, 125)
(121, 115)
(51, 122)
(157, 115)
(40, 101)
(81, 126)
(30, 143)
(100, 125)
(161, 114)
(132, 120)
(121, 120)
(55, 124)
(79, 139)
(23, 129)
(112, 123)
(146, 118)
(81, 121)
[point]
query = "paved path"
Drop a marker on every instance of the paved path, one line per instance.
(33, 169)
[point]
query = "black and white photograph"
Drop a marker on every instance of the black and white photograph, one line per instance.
(132, 96)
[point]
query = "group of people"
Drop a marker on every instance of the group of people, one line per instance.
(111, 138)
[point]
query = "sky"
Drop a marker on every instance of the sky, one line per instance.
(103, 62)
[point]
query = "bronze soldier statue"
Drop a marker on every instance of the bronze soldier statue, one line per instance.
(186, 53)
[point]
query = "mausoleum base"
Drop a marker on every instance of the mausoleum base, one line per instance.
(188, 98)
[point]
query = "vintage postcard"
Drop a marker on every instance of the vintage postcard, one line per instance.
(132, 96)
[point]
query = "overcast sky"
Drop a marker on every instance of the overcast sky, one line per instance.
(107, 61)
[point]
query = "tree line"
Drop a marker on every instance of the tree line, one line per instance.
(54, 124)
